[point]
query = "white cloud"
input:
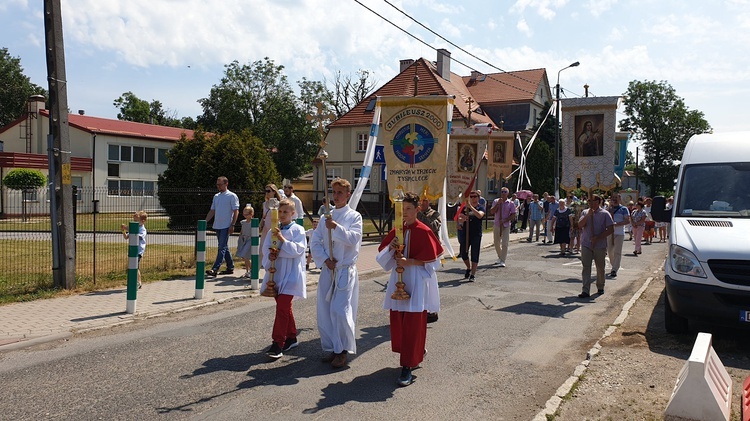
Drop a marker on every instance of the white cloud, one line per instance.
(523, 27)
(597, 7)
(544, 8)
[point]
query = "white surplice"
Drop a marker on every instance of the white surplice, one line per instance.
(337, 305)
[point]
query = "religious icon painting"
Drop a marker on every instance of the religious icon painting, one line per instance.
(467, 157)
(589, 137)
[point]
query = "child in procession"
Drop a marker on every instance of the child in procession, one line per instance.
(289, 276)
(139, 217)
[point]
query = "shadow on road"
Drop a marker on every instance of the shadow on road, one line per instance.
(299, 363)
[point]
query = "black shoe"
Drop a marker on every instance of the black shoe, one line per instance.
(289, 344)
(600, 292)
(432, 317)
(584, 295)
(467, 273)
(274, 352)
(405, 378)
(211, 272)
(472, 278)
(613, 274)
(226, 272)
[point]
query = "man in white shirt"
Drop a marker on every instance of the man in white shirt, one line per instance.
(224, 211)
(621, 217)
(338, 285)
(289, 192)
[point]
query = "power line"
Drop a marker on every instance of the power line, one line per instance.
(451, 43)
(457, 61)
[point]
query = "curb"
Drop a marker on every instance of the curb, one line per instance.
(554, 402)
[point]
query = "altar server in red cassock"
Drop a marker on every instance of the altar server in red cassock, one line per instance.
(421, 258)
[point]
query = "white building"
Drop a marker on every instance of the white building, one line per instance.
(118, 159)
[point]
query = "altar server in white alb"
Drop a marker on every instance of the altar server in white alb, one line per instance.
(420, 260)
(338, 286)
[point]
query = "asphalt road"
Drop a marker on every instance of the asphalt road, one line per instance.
(501, 348)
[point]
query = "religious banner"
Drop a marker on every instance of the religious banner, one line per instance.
(500, 154)
(465, 154)
(588, 143)
(415, 134)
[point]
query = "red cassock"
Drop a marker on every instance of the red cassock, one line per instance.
(409, 328)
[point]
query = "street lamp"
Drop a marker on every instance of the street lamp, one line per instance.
(557, 130)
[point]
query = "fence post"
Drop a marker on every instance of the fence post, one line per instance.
(132, 290)
(200, 259)
(254, 253)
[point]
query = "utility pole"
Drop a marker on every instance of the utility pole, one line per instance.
(58, 141)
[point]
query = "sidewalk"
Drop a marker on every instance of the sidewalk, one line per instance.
(29, 323)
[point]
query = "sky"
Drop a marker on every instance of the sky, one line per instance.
(174, 51)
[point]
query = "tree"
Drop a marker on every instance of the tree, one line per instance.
(540, 160)
(196, 164)
(25, 180)
(258, 97)
(662, 123)
(15, 88)
(349, 90)
(139, 110)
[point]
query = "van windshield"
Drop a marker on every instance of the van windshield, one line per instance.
(715, 190)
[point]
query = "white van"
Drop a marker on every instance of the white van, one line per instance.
(707, 271)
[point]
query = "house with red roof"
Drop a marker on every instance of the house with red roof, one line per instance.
(120, 159)
(508, 101)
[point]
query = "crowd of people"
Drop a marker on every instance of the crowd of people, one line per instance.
(591, 226)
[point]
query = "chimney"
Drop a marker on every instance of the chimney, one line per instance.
(444, 63)
(36, 103)
(81, 112)
(586, 89)
(405, 64)
(474, 75)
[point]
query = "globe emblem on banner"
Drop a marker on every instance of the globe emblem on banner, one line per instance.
(413, 144)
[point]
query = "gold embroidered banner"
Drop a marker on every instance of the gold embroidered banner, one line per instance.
(415, 133)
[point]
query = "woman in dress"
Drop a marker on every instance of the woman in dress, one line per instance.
(561, 221)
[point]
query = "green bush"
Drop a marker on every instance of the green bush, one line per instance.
(22, 178)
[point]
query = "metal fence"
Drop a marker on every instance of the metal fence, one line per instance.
(101, 250)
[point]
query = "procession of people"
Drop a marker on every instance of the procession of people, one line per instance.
(411, 252)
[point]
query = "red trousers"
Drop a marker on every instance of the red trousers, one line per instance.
(283, 326)
(408, 336)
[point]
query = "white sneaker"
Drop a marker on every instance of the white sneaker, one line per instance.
(502, 264)
(499, 261)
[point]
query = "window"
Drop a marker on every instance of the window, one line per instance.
(130, 188)
(113, 187)
(78, 182)
(357, 172)
(113, 170)
(126, 188)
(138, 154)
(331, 174)
(362, 142)
(162, 156)
(113, 153)
(371, 104)
(125, 153)
(150, 155)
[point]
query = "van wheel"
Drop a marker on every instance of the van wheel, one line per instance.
(672, 322)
